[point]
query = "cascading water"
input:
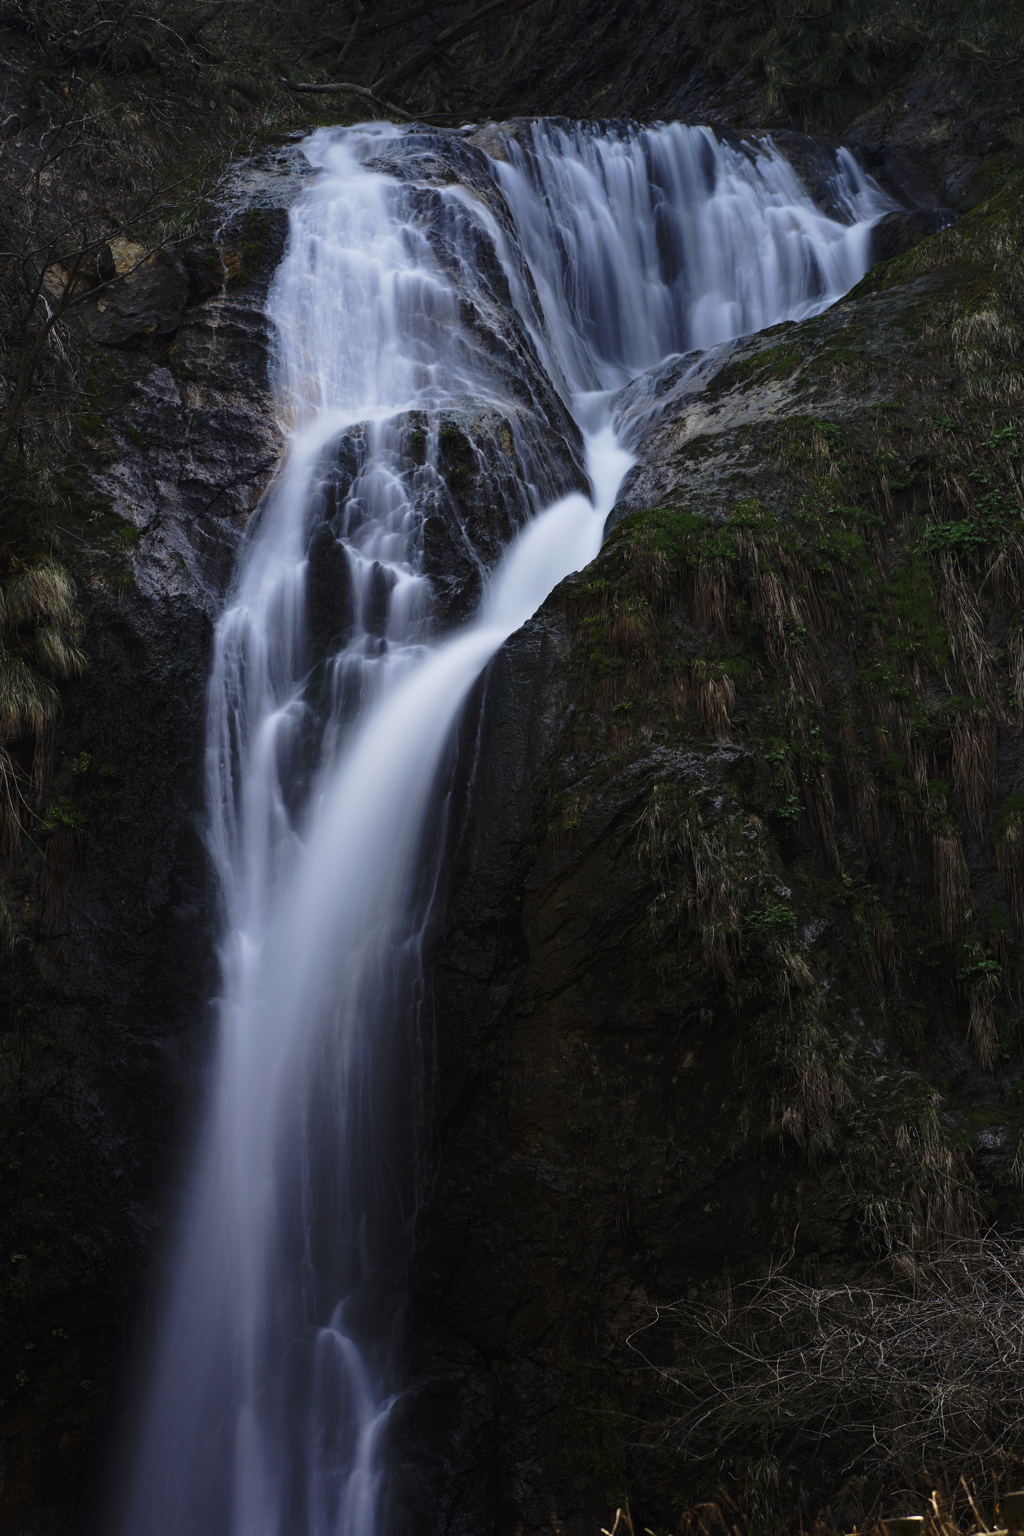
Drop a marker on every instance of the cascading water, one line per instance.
(499, 302)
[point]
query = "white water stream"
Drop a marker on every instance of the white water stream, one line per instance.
(271, 1389)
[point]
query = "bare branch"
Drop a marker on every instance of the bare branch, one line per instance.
(905, 1379)
(347, 87)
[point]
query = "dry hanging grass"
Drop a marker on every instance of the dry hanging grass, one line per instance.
(862, 788)
(1015, 665)
(952, 884)
(707, 875)
(785, 631)
(810, 1060)
(982, 1026)
(715, 694)
(975, 745)
(39, 625)
(965, 628)
(1010, 862)
(817, 782)
(710, 613)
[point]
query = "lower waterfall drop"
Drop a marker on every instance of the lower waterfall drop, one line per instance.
(440, 314)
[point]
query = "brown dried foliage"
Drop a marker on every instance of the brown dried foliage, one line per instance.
(952, 884)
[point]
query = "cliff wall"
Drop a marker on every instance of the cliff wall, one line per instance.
(731, 967)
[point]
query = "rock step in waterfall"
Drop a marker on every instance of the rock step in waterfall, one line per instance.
(455, 316)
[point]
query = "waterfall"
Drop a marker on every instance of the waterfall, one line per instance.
(445, 317)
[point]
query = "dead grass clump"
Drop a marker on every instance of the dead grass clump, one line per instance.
(1015, 665)
(1010, 858)
(715, 694)
(817, 782)
(982, 1027)
(934, 1195)
(812, 1064)
(39, 624)
(952, 883)
(710, 595)
(981, 340)
(633, 631)
(965, 628)
(879, 941)
(1005, 574)
(706, 875)
(863, 790)
(785, 630)
(649, 568)
(974, 759)
(958, 1509)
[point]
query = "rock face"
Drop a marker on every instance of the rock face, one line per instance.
(733, 935)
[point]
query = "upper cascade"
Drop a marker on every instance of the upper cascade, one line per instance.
(644, 242)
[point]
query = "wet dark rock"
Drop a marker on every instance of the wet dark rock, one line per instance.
(148, 299)
(929, 142)
(899, 232)
(484, 462)
(381, 583)
(814, 160)
(328, 593)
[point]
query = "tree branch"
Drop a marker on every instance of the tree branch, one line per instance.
(344, 87)
(353, 29)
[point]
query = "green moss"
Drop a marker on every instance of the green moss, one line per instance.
(773, 919)
(63, 813)
(777, 362)
(915, 629)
